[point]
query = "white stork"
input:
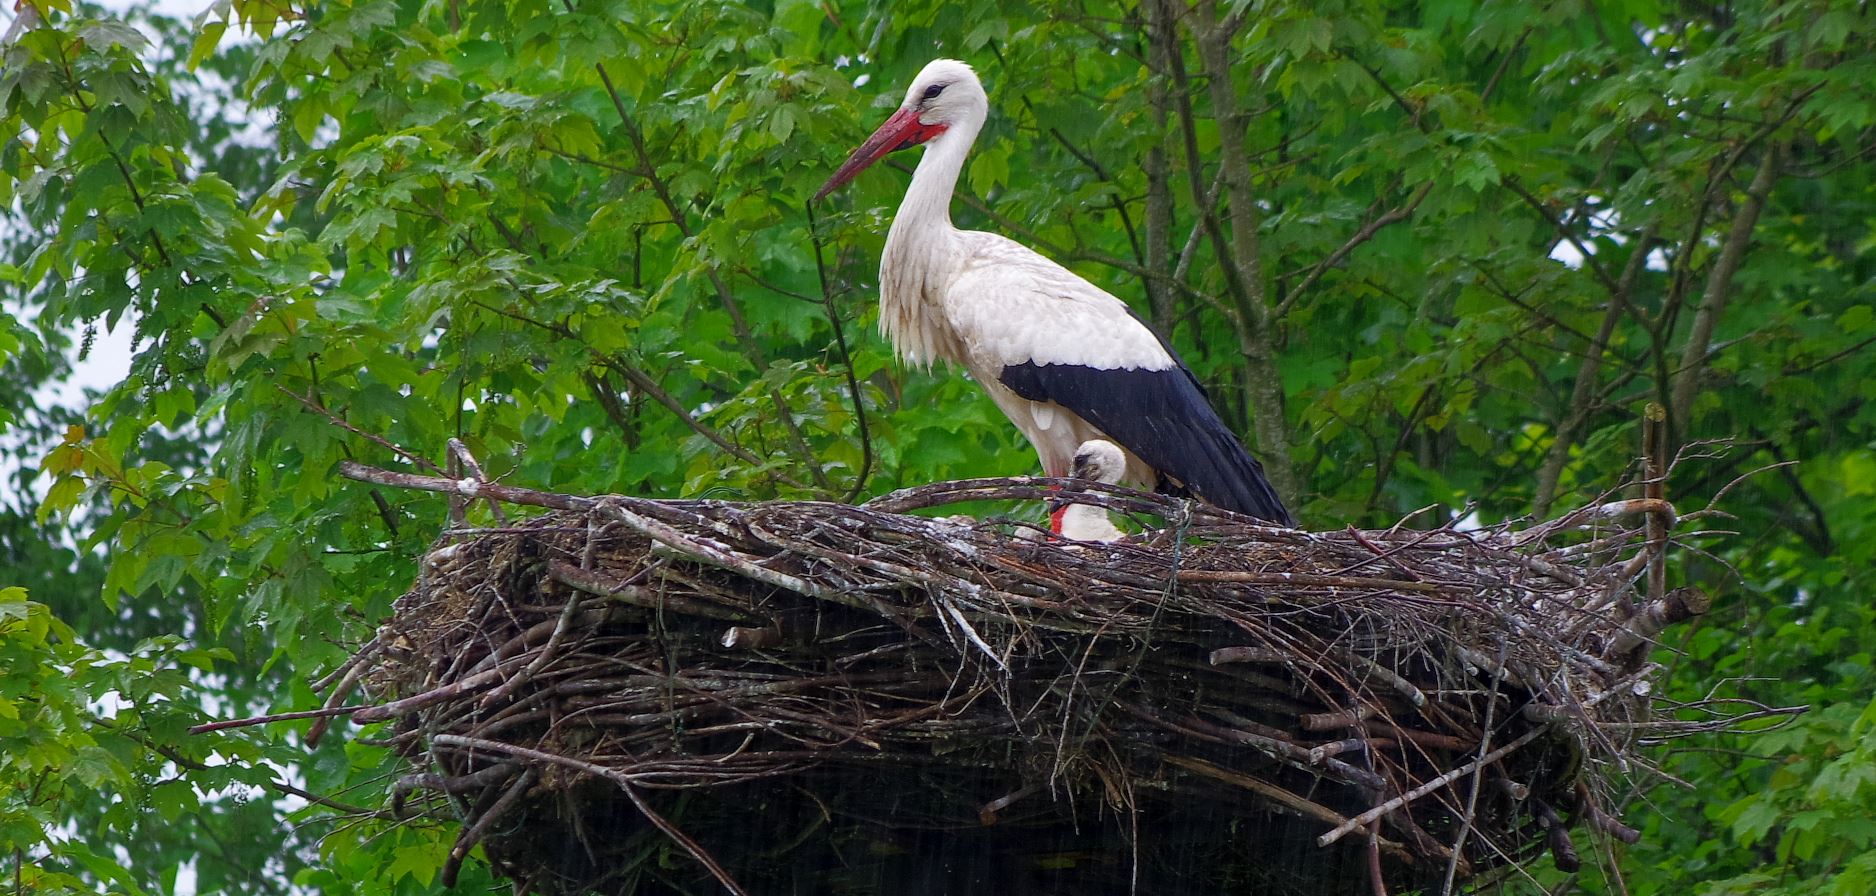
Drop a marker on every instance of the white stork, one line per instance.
(1064, 360)
(1101, 461)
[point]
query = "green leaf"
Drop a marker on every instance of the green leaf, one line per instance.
(207, 38)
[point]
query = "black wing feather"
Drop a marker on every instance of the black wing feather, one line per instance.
(1163, 418)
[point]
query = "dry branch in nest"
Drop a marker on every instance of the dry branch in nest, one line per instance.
(631, 695)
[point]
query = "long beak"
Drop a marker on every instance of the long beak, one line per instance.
(902, 131)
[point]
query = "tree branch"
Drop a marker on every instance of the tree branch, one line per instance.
(1263, 384)
(1713, 299)
(1583, 392)
(752, 349)
(1161, 42)
(1366, 233)
(644, 383)
(313, 405)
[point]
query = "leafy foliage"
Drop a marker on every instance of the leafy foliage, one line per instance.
(1435, 253)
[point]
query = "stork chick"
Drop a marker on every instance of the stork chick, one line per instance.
(1101, 461)
(1064, 360)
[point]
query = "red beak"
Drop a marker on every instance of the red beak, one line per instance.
(903, 130)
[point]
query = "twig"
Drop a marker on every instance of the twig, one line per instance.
(1366, 233)
(1304, 580)
(1342, 830)
(270, 718)
(352, 469)
(473, 833)
(353, 674)
(1275, 794)
(601, 585)
(846, 361)
(1472, 795)
(459, 453)
(313, 405)
(1679, 605)
(624, 783)
(971, 635)
(542, 657)
(1393, 679)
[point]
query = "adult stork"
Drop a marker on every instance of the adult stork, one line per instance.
(1064, 360)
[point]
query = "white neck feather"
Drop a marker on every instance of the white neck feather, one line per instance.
(921, 254)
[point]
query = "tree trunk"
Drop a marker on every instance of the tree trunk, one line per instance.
(1257, 338)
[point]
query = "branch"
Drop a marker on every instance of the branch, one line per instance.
(1430, 786)
(468, 488)
(1206, 206)
(1713, 300)
(1590, 260)
(1093, 164)
(608, 399)
(1582, 393)
(252, 721)
(1510, 181)
(1263, 384)
(1366, 233)
(1275, 794)
(1159, 201)
(117, 158)
(184, 762)
(624, 783)
(644, 383)
(1679, 605)
(738, 324)
(313, 405)
(846, 360)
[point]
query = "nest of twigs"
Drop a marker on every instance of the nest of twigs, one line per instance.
(631, 695)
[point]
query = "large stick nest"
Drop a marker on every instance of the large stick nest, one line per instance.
(629, 695)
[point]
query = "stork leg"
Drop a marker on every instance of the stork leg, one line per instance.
(1057, 506)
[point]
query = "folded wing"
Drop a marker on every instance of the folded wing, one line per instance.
(1050, 336)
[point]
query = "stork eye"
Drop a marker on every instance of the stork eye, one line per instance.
(931, 93)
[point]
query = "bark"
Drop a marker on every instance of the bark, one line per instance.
(1159, 201)
(1583, 393)
(1257, 338)
(1713, 299)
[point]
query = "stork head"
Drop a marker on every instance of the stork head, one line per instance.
(1099, 460)
(945, 94)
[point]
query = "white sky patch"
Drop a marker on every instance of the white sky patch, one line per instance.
(863, 78)
(108, 705)
(106, 365)
(175, 9)
(1565, 252)
(1603, 224)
